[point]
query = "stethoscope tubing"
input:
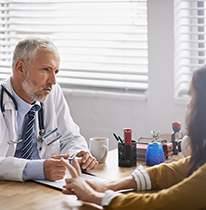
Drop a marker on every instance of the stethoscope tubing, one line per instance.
(9, 94)
(40, 117)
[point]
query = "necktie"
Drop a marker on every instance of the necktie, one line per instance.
(28, 141)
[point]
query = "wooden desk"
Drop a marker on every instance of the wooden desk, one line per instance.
(33, 196)
(110, 168)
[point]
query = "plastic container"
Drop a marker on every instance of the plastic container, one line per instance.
(154, 154)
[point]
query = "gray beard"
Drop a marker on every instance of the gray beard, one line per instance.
(28, 87)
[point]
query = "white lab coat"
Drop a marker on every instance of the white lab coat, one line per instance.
(56, 115)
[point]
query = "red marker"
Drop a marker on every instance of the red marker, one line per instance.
(128, 136)
(128, 143)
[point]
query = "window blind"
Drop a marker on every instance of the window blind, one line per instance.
(102, 44)
(190, 37)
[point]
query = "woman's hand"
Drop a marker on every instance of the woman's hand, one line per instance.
(115, 185)
(77, 185)
(98, 186)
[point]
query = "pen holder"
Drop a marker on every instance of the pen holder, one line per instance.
(127, 156)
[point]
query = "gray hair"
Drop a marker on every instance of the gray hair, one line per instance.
(27, 49)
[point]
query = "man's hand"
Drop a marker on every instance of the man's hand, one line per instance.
(54, 169)
(88, 161)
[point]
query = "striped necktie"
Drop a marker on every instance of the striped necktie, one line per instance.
(28, 136)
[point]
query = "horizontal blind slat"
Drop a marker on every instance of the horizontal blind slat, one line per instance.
(102, 44)
(190, 22)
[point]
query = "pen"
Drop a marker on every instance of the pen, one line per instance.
(71, 159)
(120, 139)
(115, 136)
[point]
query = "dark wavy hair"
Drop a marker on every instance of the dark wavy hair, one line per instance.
(197, 121)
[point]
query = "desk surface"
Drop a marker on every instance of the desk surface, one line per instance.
(34, 196)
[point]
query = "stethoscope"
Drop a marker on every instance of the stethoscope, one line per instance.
(40, 117)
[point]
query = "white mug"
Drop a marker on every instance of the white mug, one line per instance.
(99, 147)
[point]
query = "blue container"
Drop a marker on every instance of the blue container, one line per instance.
(154, 154)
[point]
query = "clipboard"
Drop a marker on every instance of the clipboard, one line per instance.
(58, 184)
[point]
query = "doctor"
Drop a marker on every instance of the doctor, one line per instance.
(51, 132)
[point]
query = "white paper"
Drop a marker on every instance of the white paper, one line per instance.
(60, 183)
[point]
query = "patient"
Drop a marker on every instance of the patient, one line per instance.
(180, 185)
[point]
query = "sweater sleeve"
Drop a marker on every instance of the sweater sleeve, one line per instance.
(166, 175)
(142, 178)
(187, 194)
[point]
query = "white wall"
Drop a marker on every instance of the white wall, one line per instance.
(101, 114)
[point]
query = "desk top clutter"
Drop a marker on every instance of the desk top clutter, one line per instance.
(153, 150)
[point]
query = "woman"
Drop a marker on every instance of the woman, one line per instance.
(181, 184)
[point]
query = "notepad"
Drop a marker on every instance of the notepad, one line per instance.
(141, 150)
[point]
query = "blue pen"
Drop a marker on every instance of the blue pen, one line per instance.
(79, 159)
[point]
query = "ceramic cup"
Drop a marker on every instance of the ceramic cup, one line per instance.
(99, 147)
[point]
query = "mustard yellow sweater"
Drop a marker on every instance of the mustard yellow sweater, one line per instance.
(176, 191)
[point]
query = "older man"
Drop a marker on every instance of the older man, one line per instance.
(35, 125)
